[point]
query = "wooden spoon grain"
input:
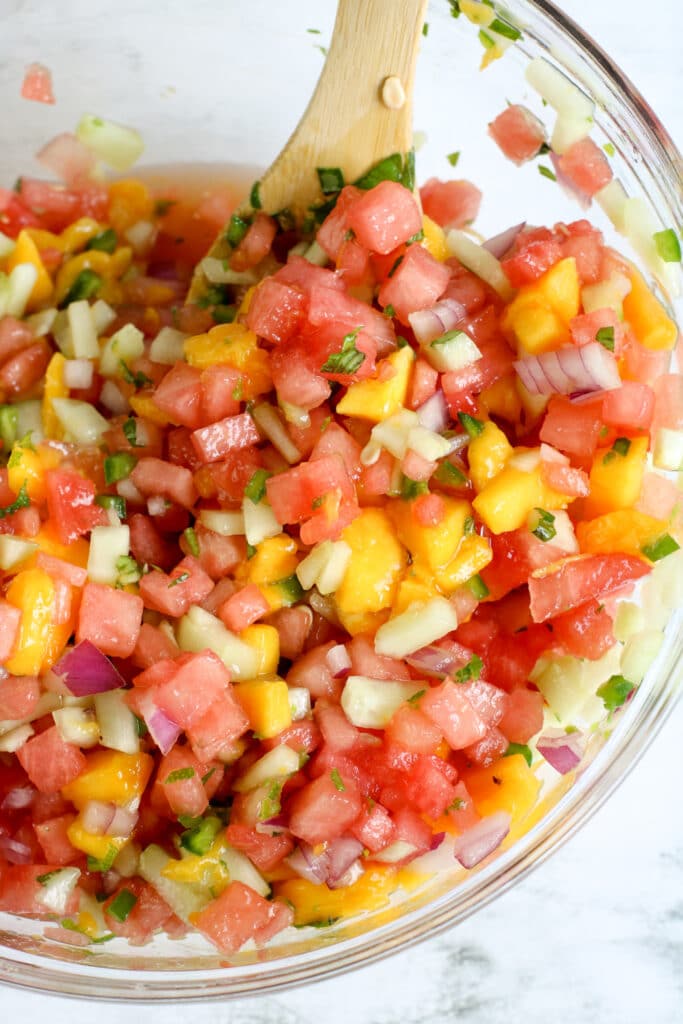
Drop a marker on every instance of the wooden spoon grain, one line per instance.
(360, 112)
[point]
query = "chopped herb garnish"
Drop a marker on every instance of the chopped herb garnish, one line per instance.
(114, 501)
(337, 780)
(180, 774)
(270, 805)
(128, 571)
(472, 670)
(318, 502)
(331, 180)
(200, 836)
(313, 31)
(412, 488)
(47, 877)
(609, 149)
(416, 697)
(237, 229)
(182, 578)
(468, 526)
(130, 432)
(8, 425)
(615, 692)
(349, 359)
(485, 39)
(122, 904)
(620, 447)
(162, 206)
(417, 237)
(138, 380)
(251, 550)
(478, 587)
(519, 748)
(22, 500)
(473, 426)
(140, 727)
(389, 311)
(104, 241)
(388, 169)
(425, 29)
(453, 157)
(455, 8)
(408, 176)
(323, 50)
(118, 466)
(457, 804)
(105, 864)
(256, 488)
(85, 285)
(214, 295)
(395, 265)
(660, 548)
(502, 28)
(325, 424)
(450, 475)
(255, 195)
(605, 335)
(668, 245)
(191, 541)
(238, 390)
(546, 172)
(545, 525)
(224, 314)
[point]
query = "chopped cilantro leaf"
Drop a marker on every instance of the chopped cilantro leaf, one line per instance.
(609, 149)
(104, 241)
(85, 285)
(337, 780)
(546, 172)
(183, 577)
(450, 475)
(545, 525)
(605, 335)
(349, 359)
(472, 670)
(615, 692)
(331, 180)
(255, 195)
(105, 864)
(519, 748)
(47, 877)
(179, 775)
(162, 206)
(425, 29)
(22, 500)
(256, 488)
(130, 432)
(191, 540)
(412, 488)
(453, 157)
(237, 229)
(415, 698)
(128, 571)
(138, 380)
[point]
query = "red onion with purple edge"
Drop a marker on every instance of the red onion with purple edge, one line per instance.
(162, 729)
(562, 752)
(500, 244)
(429, 324)
(568, 370)
(312, 867)
(19, 798)
(341, 854)
(97, 817)
(439, 661)
(15, 852)
(481, 839)
(338, 661)
(273, 826)
(86, 671)
(351, 875)
(433, 414)
(123, 823)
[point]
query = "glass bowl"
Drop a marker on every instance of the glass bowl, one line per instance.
(227, 82)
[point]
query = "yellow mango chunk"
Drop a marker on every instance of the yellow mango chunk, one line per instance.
(374, 571)
(434, 240)
(108, 267)
(502, 399)
(110, 776)
(647, 316)
(508, 785)
(624, 530)
(417, 585)
(265, 640)
(207, 871)
(276, 558)
(77, 235)
(266, 704)
(232, 345)
(129, 201)
(102, 848)
(433, 546)
(313, 903)
(76, 552)
(143, 404)
(45, 239)
(32, 592)
(487, 453)
(616, 479)
(377, 398)
(28, 466)
(506, 501)
(26, 251)
(540, 313)
(473, 555)
(54, 387)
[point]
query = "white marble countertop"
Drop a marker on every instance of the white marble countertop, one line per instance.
(595, 936)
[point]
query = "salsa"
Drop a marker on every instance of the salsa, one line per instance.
(307, 578)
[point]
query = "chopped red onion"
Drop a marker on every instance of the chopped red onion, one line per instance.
(14, 851)
(341, 854)
(162, 729)
(568, 370)
(338, 661)
(123, 823)
(562, 751)
(433, 414)
(351, 875)
(500, 244)
(86, 671)
(437, 840)
(429, 324)
(97, 817)
(440, 661)
(567, 184)
(272, 826)
(156, 505)
(311, 867)
(18, 798)
(481, 839)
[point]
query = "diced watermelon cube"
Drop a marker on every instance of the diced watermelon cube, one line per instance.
(275, 311)
(334, 229)
(54, 841)
(198, 681)
(173, 594)
(586, 166)
(296, 377)
(629, 407)
(233, 433)
(243, 608)
(220, 387)
(18, 694)
(148, 545)
(256, 244)
(292, 494)
(163, 479)
(10, 617)
(179, 395)
(518, 132)
(384, 217)
(263, 850)
(306, 276)
(213, 736)
(148, 914)
(417, 283)
(240, 914)
(523, 715)
(49, 761)
(20, 889)
(153, 645)
(427, 787)
(324, 809)
(449, 709)
(179, 777)
(488, 749)
(373, 828)
(71, 504)
(110, 619)
(453, 204)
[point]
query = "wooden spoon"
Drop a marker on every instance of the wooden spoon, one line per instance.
(360, 112)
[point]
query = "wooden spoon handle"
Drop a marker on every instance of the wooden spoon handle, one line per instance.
(361, 110)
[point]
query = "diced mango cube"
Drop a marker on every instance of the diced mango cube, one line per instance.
(616, 479)
(487, 453)
(232, 345)
(624, 530)
(102, 848)
(372, 576)
(646, 315)
(506, 501)
(112, 777)
(508, 785)
(434, 239)
(265, 640)
(540, 313)
(276, 559)
(266, 704)
(26, 251)
(313, 902)
(473, 555)
(381, 396)
(54, 387)
(39, 640)
(434, 546)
